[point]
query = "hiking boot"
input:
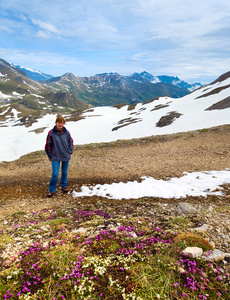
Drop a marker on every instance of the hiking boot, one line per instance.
(64, 190)
(49, 195)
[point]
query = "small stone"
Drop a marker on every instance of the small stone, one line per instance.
(133, 234)
(186, 208)
(45, 228)
(181, 270)
(203, 228)
(45, 244)
(210, 208)
(217, 255)
(212, 244)
(225, 243)
(80, 230)
(30, 243)
(193, 251)
(113, 228)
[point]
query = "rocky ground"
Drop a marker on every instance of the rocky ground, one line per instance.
(24, 182)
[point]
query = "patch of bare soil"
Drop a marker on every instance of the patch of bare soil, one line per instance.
(24, 182)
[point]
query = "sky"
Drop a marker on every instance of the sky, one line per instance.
(185, 38)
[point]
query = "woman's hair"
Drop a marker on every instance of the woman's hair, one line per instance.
(60, 119)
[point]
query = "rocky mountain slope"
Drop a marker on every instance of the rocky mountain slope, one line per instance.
(29, 99)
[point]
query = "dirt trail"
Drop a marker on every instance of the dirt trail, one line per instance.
(24, 182)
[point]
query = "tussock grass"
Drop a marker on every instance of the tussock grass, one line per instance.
(192, 239)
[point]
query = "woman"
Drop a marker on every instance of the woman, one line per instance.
(59, 147)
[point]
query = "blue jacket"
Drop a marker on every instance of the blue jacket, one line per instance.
(59, 147)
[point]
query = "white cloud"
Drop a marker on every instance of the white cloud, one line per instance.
(43, 34)
(45, 26)
(47, 29)
(124, 35)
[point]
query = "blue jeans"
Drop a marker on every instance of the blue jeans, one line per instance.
(54, 179)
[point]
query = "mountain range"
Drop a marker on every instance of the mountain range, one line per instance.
(38, 75)
(113, 88)
(20, 89)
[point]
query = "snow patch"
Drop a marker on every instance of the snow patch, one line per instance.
(4, 96)
(191, 184)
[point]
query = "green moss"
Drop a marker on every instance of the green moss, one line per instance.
(203, 130)
(180, 222)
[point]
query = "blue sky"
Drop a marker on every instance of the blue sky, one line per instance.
(185, 38)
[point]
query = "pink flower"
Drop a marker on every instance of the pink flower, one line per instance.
(176, 284)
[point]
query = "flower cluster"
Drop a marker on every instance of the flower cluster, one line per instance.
(109, 264)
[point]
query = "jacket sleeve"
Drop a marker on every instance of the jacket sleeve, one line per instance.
(71, 144)
(49, 145)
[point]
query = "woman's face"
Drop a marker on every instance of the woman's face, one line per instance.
(59, 125)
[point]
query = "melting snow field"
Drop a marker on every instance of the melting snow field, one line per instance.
(191, 184)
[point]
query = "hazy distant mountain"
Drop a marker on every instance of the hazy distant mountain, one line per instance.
(33, 74)
(172, 80)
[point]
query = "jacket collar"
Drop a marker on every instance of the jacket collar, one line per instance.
(55, 130)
